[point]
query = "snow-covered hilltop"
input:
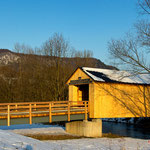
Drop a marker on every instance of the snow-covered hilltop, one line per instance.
(7, 57)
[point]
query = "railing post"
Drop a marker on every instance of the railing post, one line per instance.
(30, 113)
(68, 111)
(86, 111)
(16, 107)
(8, 115)
(34, 106)
(50, 112)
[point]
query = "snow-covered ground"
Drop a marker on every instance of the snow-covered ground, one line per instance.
(10, 140)
(102, 144)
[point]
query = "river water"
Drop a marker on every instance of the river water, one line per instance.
(121, 129)
(126, 130)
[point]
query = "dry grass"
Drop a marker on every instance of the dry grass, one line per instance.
(110, 135)
(43, 137)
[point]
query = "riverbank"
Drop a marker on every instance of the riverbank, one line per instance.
(13, 140)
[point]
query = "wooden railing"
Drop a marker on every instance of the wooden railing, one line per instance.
(38, 109)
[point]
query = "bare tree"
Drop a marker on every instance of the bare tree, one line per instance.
(56, 46)
(144, 6)
(129, 55)
(143, 33)
(82, 54)
(22, 48)
(132, 52)
(143, 26)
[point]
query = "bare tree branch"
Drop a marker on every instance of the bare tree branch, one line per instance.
(144, 6)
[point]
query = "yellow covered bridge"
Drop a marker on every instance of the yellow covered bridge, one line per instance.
(111, 93)
(102, 93)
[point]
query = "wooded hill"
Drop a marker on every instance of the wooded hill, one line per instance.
(30, 77)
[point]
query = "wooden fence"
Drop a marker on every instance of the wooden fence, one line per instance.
(38, 109)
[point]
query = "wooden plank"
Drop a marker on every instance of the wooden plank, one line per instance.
(27, 103)
(60, 105)
(19, 107)
(80, 81)
(68, 111)
(50, 113)
(42, 115)
(8, 116)
(30, 114)
(85, 110)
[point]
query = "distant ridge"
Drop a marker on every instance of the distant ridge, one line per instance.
(9, 57)
(5, 51)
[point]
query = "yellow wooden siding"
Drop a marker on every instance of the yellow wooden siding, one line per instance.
(73, 93)
(77, 74)
(114, 100)
(91, 100)
(79, 95)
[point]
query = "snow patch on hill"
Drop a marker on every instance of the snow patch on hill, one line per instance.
(7, 58)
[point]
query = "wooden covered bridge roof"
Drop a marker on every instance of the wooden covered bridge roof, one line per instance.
(114, 76)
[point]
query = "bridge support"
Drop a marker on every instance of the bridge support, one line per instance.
(85, 128)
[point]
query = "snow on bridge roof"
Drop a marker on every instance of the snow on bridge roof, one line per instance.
(107, 75)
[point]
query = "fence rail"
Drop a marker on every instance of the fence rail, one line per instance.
(38, 109)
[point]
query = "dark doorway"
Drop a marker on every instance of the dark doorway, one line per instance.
(83, 92)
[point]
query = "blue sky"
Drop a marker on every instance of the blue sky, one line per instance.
(87, 24)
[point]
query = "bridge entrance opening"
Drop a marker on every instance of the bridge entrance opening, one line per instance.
(83, 92)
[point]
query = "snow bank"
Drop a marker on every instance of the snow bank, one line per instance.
(13, 141)
(102, 144)
(51, 131)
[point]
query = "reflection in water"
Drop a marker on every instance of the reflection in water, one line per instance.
(127, 130)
